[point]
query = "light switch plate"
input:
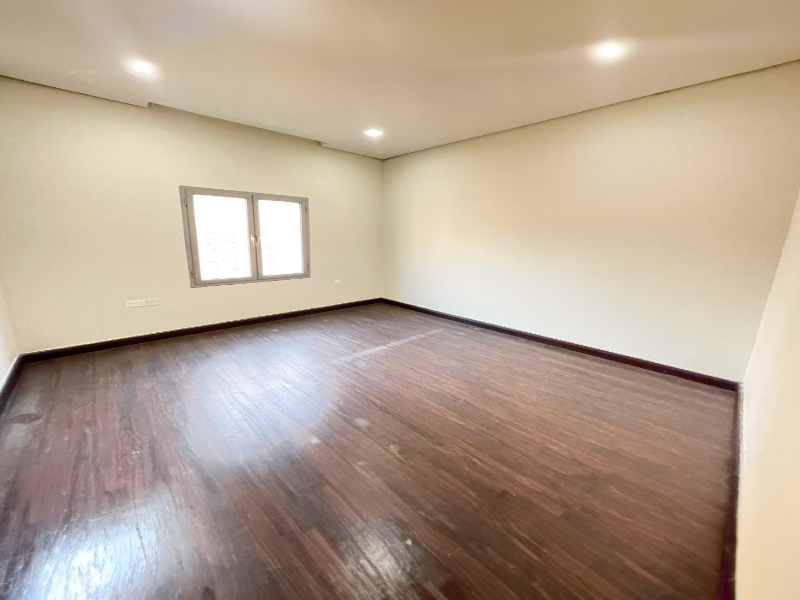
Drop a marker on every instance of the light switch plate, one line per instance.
(153, 302)
(134, 303)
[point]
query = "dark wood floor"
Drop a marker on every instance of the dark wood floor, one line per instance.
(369, 453)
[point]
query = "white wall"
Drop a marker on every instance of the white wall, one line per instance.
(8, 345)
(769, 522)
(650, 228)
(91, 216)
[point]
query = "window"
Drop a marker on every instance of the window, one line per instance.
(241, 237)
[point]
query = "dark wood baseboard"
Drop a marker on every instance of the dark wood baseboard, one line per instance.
(151, 337)
(620, 358)
(726, 587)
(717, 382)
(11, 381)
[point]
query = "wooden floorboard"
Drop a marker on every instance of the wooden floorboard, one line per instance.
(367, 453)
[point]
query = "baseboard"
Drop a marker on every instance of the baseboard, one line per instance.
(718, 382)
(726, 584)
(151, 337)
(620, 358)
(7, 386)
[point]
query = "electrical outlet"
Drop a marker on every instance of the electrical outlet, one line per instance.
(153, 302)
(337, 282)
(134, 303)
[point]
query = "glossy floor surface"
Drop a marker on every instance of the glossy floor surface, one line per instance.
(368, 453)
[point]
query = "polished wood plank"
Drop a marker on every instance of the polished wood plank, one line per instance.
(366, 453)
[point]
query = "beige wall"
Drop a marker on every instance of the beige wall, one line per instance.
(8, 345)
(650, 228)
(91, 216)
(769, 523)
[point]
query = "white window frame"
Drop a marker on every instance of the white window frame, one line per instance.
(187, 194)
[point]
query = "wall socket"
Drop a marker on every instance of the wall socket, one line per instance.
(141, 303)
(337, 282)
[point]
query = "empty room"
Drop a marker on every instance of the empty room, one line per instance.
(348, 300)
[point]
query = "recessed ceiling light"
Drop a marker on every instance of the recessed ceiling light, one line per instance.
(373, 132)
(608, 51)
(142, 67)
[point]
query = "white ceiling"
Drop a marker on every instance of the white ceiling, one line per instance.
(427, 72)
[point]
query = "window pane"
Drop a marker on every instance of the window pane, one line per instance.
(223, 237)
(281, 228)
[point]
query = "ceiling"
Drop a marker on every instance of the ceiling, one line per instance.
(426, 72)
